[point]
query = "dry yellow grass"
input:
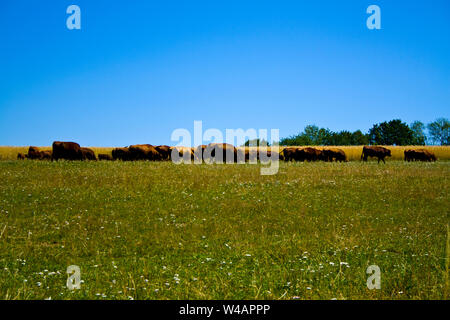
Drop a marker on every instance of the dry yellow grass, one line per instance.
(353, 152)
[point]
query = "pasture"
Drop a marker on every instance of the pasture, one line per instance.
(156, 230)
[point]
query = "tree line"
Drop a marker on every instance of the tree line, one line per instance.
(394, 132)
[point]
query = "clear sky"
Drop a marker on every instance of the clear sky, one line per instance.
(137, 70)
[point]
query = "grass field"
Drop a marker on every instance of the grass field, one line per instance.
(152, 230)
(353, 153)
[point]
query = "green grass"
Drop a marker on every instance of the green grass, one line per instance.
(163, 231)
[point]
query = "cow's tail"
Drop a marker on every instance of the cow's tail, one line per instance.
(362, 154)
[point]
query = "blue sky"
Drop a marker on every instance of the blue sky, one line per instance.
(137, 70)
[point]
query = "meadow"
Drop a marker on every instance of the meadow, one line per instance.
(157, 230)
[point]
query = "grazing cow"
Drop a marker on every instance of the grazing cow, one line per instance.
(251, 154)
(419, 155)
(374, 151)
(66, 150)
(88, 154)
(334, 154)
(220, 153)
(182, 154)
(143, 152)
(290, 154)
(409, 155)
(34, 153)
(198, 153)
(164, 152)
(427, 155)
(46, 155)
(309, 154)
(121, 154)
(104, 156)
(267, 154)
(20, 156)
(247, 154)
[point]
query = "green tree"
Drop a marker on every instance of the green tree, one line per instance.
(394, 132)
(359, 138)
(311, 134)
(419, 136)
(256, 143)
(439, 131)
(296, 140)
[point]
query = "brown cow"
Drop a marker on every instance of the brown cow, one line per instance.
(198, 153)
(427, 155)
(290, 154)
(104, 156)
(409, 155)
(334, 154)
(88, 154)
(121, 154)
(265, 155)
(164, 152)
(20, 156)
(182, 154)
(220, 153)
(143, 152)
(46, 155)
(34, 153)
(66, 150)
(309, 154)
(419, 155)
(247, 154)
(374, 151)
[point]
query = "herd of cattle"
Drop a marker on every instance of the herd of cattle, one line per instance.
(215, 152)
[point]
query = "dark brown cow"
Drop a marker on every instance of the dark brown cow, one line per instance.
(247, 154)
(20, 156)
(143, 152)
(121, 154)
(66, 150)
(220, 153)
(88, 154)
(104, 156)
(46, 155)
(290, 154)
(419, 155)
(427, 155)
(375, 151)
(34, 153)
(265, 155)
(309, 154)
(182, 154)
(334, 154)
(302, 154)
(198, 153)
(164, 152)
(250, 154)
(409, 155)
